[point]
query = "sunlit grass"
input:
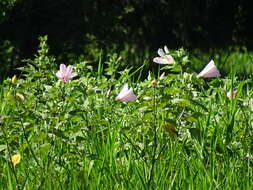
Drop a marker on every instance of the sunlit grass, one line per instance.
(180, 131)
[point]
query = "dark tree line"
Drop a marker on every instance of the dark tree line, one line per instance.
(70, 25)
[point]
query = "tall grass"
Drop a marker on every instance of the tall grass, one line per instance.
(182, 132)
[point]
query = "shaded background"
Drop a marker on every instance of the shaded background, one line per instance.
(80, 27)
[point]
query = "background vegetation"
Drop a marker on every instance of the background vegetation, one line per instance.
(134, 27)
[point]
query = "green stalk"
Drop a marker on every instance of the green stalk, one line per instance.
(154, 140)
(29, 145)
(9, 155)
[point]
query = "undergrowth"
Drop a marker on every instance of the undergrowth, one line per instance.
(182, 131)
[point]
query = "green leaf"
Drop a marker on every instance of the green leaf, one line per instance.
(2, 147)
(199, 104)
(41, 136)
(180, 101)
(195, 132)
(194, 117)
(44, 148)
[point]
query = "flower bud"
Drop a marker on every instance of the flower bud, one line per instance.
(14, 79)
(20, 97)
(15, 159)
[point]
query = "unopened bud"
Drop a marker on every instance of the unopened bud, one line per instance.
(119, 58)
(14, 79)
(20, 97)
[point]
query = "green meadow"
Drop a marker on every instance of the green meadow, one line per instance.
(173, 128)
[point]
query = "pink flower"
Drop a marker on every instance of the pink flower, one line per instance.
(126, 95)
(164, 57)
(209, 71)
(231, 94)
(65, 73)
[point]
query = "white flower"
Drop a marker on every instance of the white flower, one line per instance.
(209, 71)
(126, 95)
(164, 58)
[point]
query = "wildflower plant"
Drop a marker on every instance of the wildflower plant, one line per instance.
(178, 133)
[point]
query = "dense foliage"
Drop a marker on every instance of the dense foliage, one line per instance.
(182, 131)
(76, 27)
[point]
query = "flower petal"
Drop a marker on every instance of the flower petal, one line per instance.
(72, 75)
(126, 94)
(160, 52)
(163, 60)
(122, 92)
(129, 98)
(170, 59)
(15, 159)
(59, 74)
(160, 60)
(209, 71)
(124, 89)
(69, 69)
(63, 68)
(166, 49)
